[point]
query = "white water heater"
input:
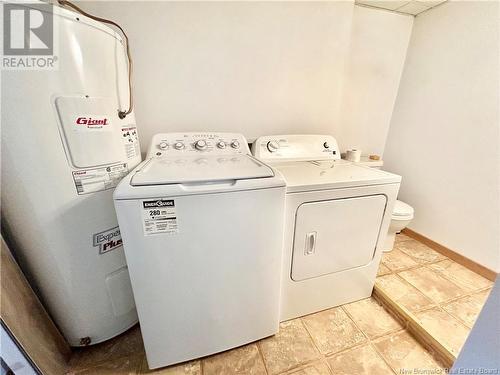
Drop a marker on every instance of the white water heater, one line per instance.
(64, 149)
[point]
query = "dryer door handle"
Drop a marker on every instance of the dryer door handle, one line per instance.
(310, 243)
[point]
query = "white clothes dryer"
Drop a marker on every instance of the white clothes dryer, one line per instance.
(337, 216)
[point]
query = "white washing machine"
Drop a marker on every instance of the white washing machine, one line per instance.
(336, 218)
(202, 225)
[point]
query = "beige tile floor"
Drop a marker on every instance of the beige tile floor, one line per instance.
(357, 338)
(444, 296)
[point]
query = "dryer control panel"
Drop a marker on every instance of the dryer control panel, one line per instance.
(296, 147)
(171, 144)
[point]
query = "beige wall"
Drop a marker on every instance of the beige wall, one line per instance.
(264, 67)
(379, 40)
(250, 67)
(444, 135)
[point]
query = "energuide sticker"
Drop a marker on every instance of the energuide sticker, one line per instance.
(107, 240)
(98, 179)
(130, 141)
(159, 217)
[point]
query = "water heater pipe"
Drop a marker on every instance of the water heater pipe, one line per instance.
(121, 113)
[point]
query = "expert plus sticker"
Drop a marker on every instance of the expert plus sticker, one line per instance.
(158, 216)
(107, 240)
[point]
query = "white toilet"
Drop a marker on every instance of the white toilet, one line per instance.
(402, 212)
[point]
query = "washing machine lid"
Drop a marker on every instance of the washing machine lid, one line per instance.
(326, 175)
(199, 169)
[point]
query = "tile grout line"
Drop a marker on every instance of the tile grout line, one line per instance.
(446, 301)
(455, 299)
(442, 274)
(459, 320)
(355, 346)
(456, 318)
(79, 369)
(428, 263)
(402, 269)
(439, 306)
(383, 357)
(420, 260)
(453, 256)
(472, 295)
(432, 345)
(404, 281)
(369, 340)
(436, 304)
(261, 356)
(322, 356)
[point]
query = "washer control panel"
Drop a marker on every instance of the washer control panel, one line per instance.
(296, 147)
(170, 144)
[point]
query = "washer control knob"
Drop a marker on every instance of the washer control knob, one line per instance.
(235, 144)
(163, 145)
(178, 145)
(326, 145)
(201, 144)
(221, 144)
(273, 146)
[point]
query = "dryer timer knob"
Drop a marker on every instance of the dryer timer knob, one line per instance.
(235, 144)
(273, 146)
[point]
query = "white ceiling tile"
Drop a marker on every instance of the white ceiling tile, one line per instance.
(431, 3)
(385, 4)
(413, 8)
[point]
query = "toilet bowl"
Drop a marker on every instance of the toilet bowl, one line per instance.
(402, 214)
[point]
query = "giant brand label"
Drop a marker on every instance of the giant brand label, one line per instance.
(107, 240)
(159, 216)
(92, 123)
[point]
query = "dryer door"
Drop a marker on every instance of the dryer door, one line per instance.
(336, 235)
